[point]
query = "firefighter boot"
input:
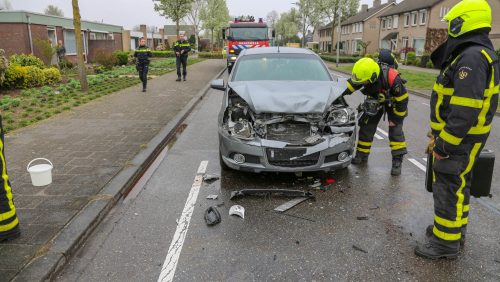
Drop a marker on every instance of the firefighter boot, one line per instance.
(428, 233)
(397, 161)
(359, 159)
(10, 235)
(184, 78)
(432, 250)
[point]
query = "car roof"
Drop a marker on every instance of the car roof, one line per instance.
(276, 50)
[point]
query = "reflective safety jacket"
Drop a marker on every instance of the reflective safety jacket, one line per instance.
(389, 85)
(182, 45)
(142, 54)
(464, 99)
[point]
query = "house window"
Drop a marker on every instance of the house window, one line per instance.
(383, 23)
(405, 42)
(70, 42)
(111, 36)
(407, 19)
(443, 11)
(414, 18)
(423, 17)
(389, 22)
(360, 27)
(418, 44)
(395, 21)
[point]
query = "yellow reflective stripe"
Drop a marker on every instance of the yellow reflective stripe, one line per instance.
(142, 50)
(437, 125)
(9, 226)
(6, 186)
(466, 208)
(446, 236)
(487, 56)
(475, 130)
(395, 148)
(349, 86)
(396, 112)
(460, 195)
(450, 138)
(363, 143)
(447, 223)
(363, 150)
(392, 143)
(465, 220)
(402, 97)
(466, 102)
(491, 91)
(440, 89)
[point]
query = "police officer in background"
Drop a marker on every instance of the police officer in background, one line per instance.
(181, 48)
(463, 103)
(142, 55)
(386, 95)
(9, 223)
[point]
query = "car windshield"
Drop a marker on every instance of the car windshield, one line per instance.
(248, 33)
(294, 67)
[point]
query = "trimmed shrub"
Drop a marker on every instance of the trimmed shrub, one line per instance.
(121, 57)
(210, 55)
(342, 60)
(106, 59)
(65, 64)
(52, 75)
(417, 62)
(424, 60)
(163, 54)
(23, 77)
(26, 60)
(410, 58)
(429, 64)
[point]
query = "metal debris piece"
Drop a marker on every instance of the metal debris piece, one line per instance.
(362, 218)
(290, 204)
(212, 216)
(315, 185)
(263, 192)
(210, 178)
(237, 210)
(359, 249)
(212, 197)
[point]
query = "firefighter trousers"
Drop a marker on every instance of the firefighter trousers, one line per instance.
(368, 127)
(8, 218)
(143, 73)
(181, 60)
(451, 192)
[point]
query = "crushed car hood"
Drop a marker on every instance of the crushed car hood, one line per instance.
(294, 97)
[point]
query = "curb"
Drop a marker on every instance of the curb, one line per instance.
(413, 92)
(68, 241)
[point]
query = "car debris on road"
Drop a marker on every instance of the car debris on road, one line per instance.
(212, 197)
(210, 178)
(237, 210)
(259, 192)
(290, 204)
(212, 216)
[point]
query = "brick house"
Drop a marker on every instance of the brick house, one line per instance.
(20, 29)
(171, 34)
(417, 24)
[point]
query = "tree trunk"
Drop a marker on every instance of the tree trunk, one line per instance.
(79, 47)
(212, 41)
(177, 28)
(333, 35)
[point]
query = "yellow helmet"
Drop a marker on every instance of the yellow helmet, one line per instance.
(468, 15)
(365, 69)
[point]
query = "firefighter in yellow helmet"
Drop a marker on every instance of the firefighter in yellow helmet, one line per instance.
(386, 95)
(463, 103)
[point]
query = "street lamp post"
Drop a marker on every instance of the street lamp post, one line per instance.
(339, 33)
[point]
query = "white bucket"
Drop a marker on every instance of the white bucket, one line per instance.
(41, 174)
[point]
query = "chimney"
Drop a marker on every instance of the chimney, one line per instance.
(144, 31)
(376, 3)
(364, 8)
(391, 1)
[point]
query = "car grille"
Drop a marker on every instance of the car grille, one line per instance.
(291, 132)
(281, 157)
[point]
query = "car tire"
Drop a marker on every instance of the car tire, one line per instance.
(223, 165)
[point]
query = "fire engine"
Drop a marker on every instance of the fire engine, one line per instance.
(244, 33)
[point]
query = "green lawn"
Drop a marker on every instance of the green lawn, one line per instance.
(417, 80)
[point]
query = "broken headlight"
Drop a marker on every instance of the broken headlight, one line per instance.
(241, 129)
(340, 116)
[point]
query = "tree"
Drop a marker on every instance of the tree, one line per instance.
(310, 15)
(5, 5)
(79, 46)
(175, 10)
(364, 45)
(53, 11)
(215, 17)
(46, 49)
(195, 19)
(272, 17)
(333, 10)
(287, 26)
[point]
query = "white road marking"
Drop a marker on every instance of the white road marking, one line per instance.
(425, 159)
(383, 132)
(379, 137)
(418, 164)
(426, 104)
(174, 251)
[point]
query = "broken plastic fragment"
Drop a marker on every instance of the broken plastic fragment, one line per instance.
(212, 216)
(237, 210)
(209, 178)
(212, 197)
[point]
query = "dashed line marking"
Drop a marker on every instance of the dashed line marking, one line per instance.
(382, 132)
(174, 251)
(425, 159)
(418, 164)
(379, 137)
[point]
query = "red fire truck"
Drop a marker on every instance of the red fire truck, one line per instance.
(244, 33)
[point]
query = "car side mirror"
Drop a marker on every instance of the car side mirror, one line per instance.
(218, 84)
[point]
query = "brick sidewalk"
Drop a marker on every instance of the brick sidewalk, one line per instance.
(88, 147)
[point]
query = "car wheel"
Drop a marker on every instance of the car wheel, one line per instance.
(223, 166)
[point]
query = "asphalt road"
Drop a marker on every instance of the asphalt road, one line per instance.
(363, 228)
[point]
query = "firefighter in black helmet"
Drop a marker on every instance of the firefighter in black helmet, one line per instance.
(142, 55)
(386, 94)
(463, 102)
(181, 48)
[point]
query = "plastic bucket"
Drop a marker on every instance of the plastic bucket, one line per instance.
(41, 174)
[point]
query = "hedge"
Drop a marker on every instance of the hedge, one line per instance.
(26, 60)
(211, 55)
(342, 60)
(163, 54)
(121, 57)
(18, 76)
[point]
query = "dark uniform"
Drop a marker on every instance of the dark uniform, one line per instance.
(182, 47)
(142, 54)
(463, 103)
(394, 103)
(386, 57)
(9, 224)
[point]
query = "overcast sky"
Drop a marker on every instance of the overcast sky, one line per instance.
(129, 13)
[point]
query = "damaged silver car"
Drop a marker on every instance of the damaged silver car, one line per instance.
(283, 112)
